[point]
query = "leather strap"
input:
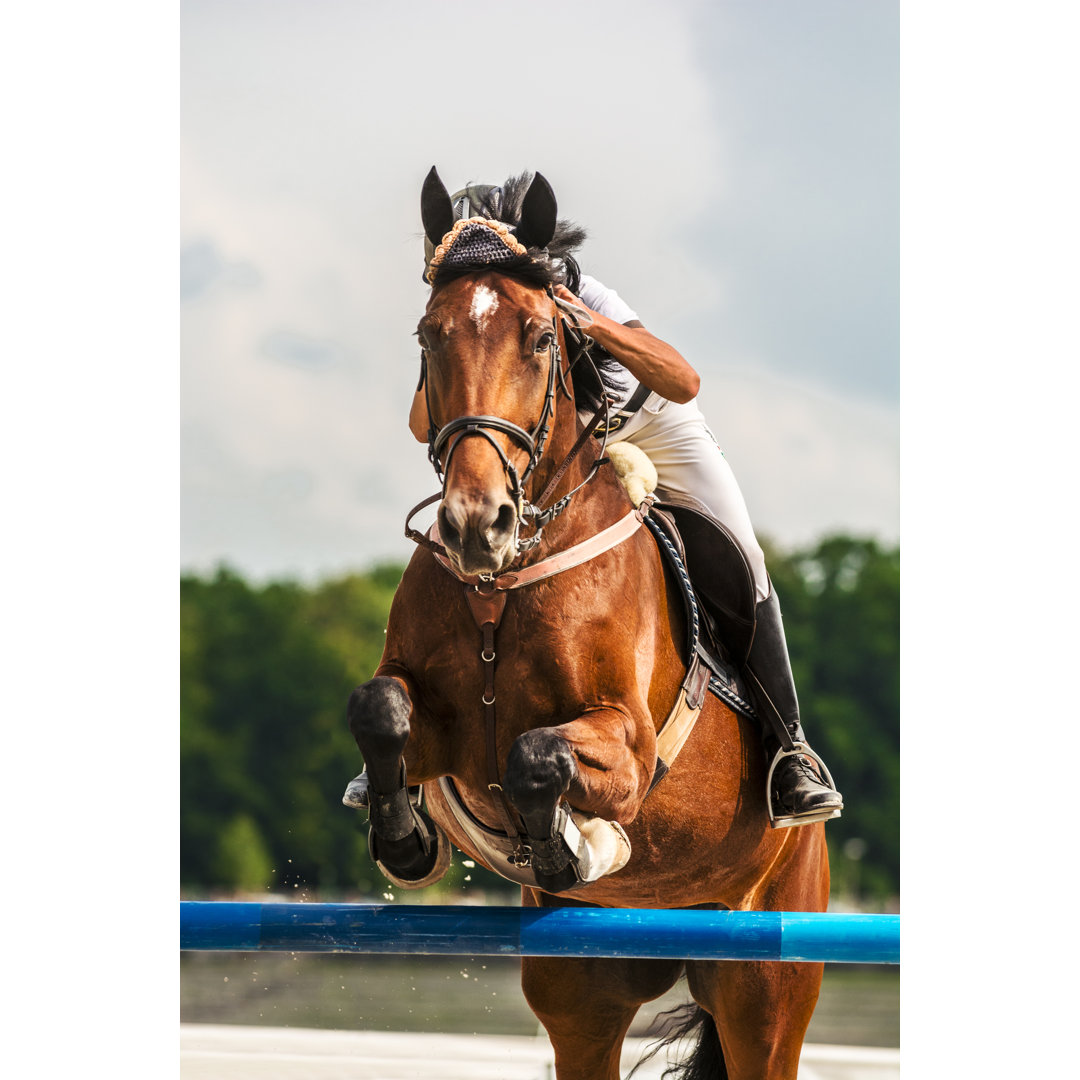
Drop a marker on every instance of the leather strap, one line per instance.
(432, 544)
(486, 600)
(639, 397)
(487, 606)
(676, 729)
(583, 438)
(680, 721)
(588, 549)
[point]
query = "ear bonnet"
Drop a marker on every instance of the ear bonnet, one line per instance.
(464, 230)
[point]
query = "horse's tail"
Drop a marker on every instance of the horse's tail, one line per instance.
(706, 1060)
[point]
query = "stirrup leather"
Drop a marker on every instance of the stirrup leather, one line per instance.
(799, 749)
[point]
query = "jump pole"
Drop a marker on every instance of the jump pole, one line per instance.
(514, 931)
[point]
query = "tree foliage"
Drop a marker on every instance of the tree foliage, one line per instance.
(265, 752)
(841, 606)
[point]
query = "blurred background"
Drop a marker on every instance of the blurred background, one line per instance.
(736, 165)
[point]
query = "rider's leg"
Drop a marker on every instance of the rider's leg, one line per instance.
(689, 462)
(799, 795)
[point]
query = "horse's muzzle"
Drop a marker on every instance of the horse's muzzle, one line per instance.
(478, 533)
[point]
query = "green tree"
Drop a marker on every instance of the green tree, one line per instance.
(265, 752)
(243, 860)
(841, 604)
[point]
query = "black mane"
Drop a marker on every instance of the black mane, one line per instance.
(554, 265)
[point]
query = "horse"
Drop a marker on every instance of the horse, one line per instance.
(526, 681)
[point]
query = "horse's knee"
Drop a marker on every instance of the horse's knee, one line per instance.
(539, 770)
(379, 718)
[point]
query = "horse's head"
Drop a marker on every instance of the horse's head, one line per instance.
(491, 363)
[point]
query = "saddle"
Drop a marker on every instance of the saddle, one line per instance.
(708, 566)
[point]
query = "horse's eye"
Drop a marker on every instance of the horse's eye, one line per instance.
(545, 342)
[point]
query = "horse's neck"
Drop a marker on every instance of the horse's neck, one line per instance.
(599, 503)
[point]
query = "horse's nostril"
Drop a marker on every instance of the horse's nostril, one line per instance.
(504, 521)
(449, 527)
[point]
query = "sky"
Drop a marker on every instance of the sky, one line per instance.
(736, 165)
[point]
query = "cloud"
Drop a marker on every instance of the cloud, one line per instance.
(202, 268)
(306, 132)
(298, 350)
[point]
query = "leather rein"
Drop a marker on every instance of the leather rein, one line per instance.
(486, 594)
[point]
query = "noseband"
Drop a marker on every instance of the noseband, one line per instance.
(533, 442)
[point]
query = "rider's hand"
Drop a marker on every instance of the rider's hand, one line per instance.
(563, 293)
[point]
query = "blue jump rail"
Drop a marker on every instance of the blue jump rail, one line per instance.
(568, 931)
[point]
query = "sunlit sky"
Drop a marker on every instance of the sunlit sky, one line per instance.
(736, 165)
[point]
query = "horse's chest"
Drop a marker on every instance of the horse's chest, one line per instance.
(568, 658)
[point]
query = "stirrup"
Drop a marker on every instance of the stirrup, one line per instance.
(799, 749)
(357, 794)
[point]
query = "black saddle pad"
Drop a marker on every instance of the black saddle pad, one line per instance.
(714, 578)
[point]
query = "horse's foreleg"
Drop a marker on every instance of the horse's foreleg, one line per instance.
(602, 762)
(762, 1010)
(587, 1006)
(539, 770)
(409, 848)
(592, 761)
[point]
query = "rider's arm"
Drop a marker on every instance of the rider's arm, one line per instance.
(651, 361)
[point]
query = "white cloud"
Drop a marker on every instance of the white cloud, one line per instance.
(306, 132)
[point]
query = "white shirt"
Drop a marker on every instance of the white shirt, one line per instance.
(608, 302)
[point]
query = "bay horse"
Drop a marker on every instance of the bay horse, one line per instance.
(525, 681)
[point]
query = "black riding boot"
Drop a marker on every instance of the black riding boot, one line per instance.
(800, 789)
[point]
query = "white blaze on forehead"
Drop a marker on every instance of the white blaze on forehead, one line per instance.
(484, 303)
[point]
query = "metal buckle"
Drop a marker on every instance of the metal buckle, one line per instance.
(612, 425)
(521, 855)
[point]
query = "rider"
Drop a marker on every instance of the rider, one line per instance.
(659, 414)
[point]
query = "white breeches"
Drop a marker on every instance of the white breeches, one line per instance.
(688, 460)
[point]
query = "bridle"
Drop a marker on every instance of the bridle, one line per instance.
(454, 432)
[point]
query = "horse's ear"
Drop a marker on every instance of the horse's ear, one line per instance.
(436, 209)
(538, 212)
